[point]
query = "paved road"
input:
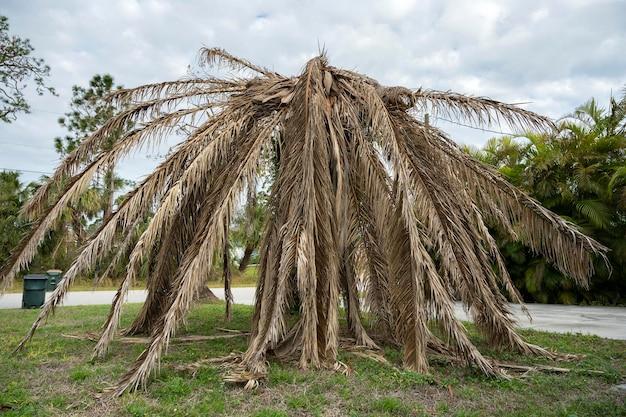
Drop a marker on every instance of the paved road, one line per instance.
(607, 322)
(243, 295)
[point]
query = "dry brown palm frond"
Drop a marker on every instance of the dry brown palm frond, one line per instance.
(522, 217)
(457, 237)
(192, 179)
(366, 203)
(478, 110)
(196, 263)
(158, 125)
(134, 206)
(212, 56)
(122, 252)
(164, 265)
(23, 254)
(152, 91)
(231, 334)
(371, 199)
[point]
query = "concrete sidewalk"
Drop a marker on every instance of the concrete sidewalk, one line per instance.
(609, 322)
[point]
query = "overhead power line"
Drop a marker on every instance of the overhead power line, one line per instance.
(25, 170)
(499, 132)
(47, 111)
(25, 145)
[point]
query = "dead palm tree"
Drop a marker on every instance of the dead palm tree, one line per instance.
(362, 188)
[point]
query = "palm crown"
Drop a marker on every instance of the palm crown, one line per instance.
(363, 193)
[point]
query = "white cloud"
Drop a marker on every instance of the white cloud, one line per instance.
(476, 21)
(554, 54)
(396, 9)
(539, 14)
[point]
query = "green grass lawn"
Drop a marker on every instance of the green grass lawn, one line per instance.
(54, 377)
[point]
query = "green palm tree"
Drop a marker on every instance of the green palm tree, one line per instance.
(12, 197)
(577, 171)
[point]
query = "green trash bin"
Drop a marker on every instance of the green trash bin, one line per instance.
(54, 277)
(34, 294)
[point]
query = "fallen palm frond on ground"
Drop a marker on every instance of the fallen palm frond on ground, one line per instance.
(231, 363)
(94, 337)
(525, 370)
(196, 366)
(364, 198)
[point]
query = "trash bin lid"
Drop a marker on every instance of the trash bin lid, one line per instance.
(36, 276)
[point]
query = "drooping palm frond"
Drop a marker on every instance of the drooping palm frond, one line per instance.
(479, 110)
(364, 198)
(217, 56)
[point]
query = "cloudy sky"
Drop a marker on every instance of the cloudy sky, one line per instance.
(552, 55)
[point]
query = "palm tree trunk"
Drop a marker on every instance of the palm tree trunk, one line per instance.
(77, 225)
(109, 189)
(351, 304)
(228, 295)
(158, 287)
(205, 294)
(247, 255)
